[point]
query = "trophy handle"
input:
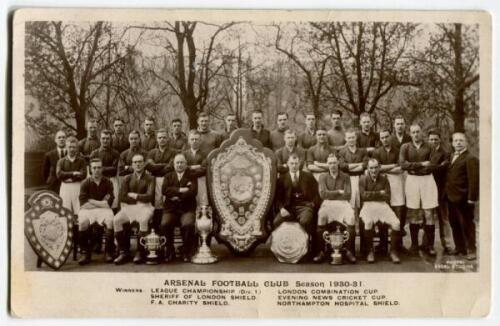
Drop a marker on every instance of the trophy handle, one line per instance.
(326, 236)
(142, 241)
(163, 240)
(346, 236)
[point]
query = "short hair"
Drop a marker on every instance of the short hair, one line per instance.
(161, 131)
(290, 132)
(138, 154)
(337, 112)
(398, 117)
(373, 160)
(118, 119)
(383, 130)
(180, 154)
(332, 155)
(59, 131)
(231, 114)
(95, 160)
(282, 113)
(460, 133)
(202, 115)
(434, 132)
(415, 124)
(193, 132)
(293, 156)
(257, 111)
(149, 119)
(106, 132)
(135, 132)
(92, 121)
(176, 120)
(320, 127)
(310, 113)
(71, 139)
(364, 115)
(351, 131)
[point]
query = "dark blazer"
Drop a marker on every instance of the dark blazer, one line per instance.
(442, 160)
(308, 185)
(462, 178)
(170, 189)
(49, 170)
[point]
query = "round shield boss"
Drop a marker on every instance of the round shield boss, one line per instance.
(289, 242)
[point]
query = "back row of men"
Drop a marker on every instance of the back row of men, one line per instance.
(399, 173)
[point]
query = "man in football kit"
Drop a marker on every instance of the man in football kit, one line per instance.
(125, 163)
(209, 139)
(148, 141)
(366, 138)
(196, 165)
(399, 135)
(336, 135)
(258, 131)
(317, 154)
(290, 148)
(278, 134)
(119, 140)
(230, 125)
(308, 137)
(50, 162)
(91, 142)
(177, 140)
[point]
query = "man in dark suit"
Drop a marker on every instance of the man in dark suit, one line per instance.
(179, 188)
(50, 162)
(297, 196)
(462, 191)
(258, 131)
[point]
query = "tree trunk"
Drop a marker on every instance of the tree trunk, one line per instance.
(459, 112)
(80, 124)
(191, 111)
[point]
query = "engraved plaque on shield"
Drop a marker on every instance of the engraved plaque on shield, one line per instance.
(241, 183)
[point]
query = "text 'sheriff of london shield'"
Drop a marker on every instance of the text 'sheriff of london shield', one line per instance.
(241, 184)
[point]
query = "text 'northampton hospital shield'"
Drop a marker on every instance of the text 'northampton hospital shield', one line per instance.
(241, 184)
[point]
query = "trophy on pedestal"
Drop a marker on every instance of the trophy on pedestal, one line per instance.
(153, 243)
(336, 240)
(204, 225)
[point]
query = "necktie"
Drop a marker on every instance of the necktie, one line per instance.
(294, 178)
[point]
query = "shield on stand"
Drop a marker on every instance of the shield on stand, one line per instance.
(47, 226)
(241, 180)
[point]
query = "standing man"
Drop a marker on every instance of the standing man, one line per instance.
(367, 138)
(297, 195)
(388, 160)
(91, 142)
(335, 191)
(96, 197)
(119, 141)
(125, 163)
(196, 165)
(278, 135)
(159, 163)
(258, 131)
(462, 192)
(399, 135)
(336, 135)
(308, 137)
(177, 140)
(148, 141)
(421, 192)
(50, 162)
(70, 171)
(317, 154)
(136, 198)
(209, 139)
(290, 148)
(179, 189)
(442, 159)
(230, 125)
(375, 193)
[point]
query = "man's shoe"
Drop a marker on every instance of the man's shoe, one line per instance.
(138, 259)
(319, 258)
(85, 259)
(370, 258)
(350, 257)
(122, 258)
(450, 252)
(471, 256)
(109, 257)
(394, 257)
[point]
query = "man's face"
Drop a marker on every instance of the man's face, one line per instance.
(148, 126)
(133, 139)
(311, 122)
(105, 140)
(333, 165)
(336, 120)
(60, 139)
(92, 129)
(194, 141)
(180, 164)
(161, 139)
(176, 128)
(416, 133)
(373, 169)
(434, 140)
(293, 164)
(321, 136)
(365, 123)
(203, 123)
(384, 138)
(257, 119)
(399, 126)
(350, 138)
(282, 121)
(230, 122)
(138, 163)
(96, 169)
(72, 148)
(459, 142)
(290, 140)
(118, 127)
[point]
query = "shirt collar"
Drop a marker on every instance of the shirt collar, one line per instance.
(180, 175)
(138, 176)
(71, 159)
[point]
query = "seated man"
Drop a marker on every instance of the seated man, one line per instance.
(375, 193)
(136, 196)
(96, 198)
(335, 190)
(296, 196)
(179, 188)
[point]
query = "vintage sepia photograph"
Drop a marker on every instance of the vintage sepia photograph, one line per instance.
(276, 145)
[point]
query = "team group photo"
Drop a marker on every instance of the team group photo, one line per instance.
(194, 146)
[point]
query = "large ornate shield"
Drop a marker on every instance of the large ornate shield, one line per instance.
(241, 180)
(47, 226)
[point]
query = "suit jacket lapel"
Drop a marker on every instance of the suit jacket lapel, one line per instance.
(460, 157)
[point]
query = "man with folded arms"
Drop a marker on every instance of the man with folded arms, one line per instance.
(125, 163)
(136, 196)
(196, 165)
(375, 193)
(96, 197)
(290, 148)
(335, 191)
(317, 154)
